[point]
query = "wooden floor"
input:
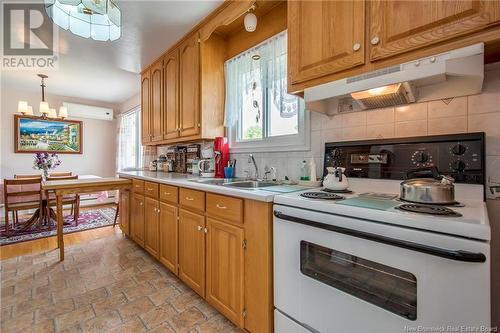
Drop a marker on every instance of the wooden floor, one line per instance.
(50, 243)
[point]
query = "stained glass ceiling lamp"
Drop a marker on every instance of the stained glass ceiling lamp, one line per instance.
(96, 19)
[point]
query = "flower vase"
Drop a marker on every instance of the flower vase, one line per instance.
(45, 174)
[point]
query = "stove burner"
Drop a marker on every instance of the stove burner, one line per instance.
(321, 195)
(335, 191)
(428, 209)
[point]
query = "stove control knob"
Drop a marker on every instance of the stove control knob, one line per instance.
(458, 166)
(422, 157)
(458, 149)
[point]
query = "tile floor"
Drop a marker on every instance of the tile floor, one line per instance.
(105, 285)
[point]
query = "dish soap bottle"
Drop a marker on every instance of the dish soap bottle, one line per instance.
(304, 172)
(312, 170)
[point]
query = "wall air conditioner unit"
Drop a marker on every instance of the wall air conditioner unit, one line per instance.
(88, 111)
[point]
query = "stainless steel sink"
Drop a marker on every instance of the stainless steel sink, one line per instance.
(216, 181)
(251, 184)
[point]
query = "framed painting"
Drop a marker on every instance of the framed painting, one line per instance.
(35, 134)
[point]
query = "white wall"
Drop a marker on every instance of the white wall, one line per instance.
(99, 138)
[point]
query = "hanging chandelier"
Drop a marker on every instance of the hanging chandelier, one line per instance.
(96, 19)
(45, 111)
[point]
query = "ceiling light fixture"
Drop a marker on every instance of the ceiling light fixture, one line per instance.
(250, 20)
(46, 112)
(96, 19)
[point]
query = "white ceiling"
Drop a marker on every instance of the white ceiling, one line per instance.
(109, 71)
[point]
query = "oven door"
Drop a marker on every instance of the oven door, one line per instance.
(339, 274)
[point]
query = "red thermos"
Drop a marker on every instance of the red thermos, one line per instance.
(221, 152)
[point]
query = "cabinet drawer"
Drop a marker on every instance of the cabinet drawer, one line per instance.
(192, 199)
(138, 186)
(151, 189)
(225, 208)
(169, 193)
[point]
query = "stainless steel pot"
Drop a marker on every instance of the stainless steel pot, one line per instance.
(438, 190)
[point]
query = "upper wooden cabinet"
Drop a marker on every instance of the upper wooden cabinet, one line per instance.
(401, 26)
(145, 107)
(324, 37)
(156, 114)
(171, 95)
(189, 68)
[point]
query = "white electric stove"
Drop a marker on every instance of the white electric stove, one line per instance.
(361, 264)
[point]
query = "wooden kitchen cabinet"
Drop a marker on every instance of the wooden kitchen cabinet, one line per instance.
(225, 289)
(169, 236)
(145, 107)
(192, 250)
(124, 213)
(189, 89)
(152, 226)
(171, 95)
(324, 37)
(156, 106)
(397, 27)
(137, 221)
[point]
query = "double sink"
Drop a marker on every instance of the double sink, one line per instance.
(238, 183)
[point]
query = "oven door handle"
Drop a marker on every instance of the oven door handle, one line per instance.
(458, 255)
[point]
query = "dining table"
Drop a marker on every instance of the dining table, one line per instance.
(62, 188)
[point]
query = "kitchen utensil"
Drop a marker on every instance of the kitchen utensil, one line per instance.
(435, 189)
(335, 179)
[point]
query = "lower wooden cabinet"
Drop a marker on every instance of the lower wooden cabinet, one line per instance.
(224, 289)
(192, 250)
(124, 217)
(137, 225)
(169, 236)
(152, 225)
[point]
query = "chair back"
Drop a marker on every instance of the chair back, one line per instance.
(22, 191)
(60, 174)
(62, 178)
(28, 176)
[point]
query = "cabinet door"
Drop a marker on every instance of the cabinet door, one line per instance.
(400, 26)
(324, 37)
(225, 269)
(192, 250)
(171, 95)
(138, 219)
(124, 212)
(152, 219)
(145, 107)
(168, 236)
(156, 118)
(189, 77)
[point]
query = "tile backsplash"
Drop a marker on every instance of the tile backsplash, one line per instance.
(476, 113)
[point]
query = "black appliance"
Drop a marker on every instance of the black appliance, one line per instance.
(460, 156)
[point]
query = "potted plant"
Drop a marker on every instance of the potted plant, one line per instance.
(46, 162)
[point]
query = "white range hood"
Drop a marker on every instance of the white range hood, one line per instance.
(450, 74)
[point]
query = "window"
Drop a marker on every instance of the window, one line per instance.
(129, 144)
(260, 114)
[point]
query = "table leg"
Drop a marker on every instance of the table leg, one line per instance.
(60, 226)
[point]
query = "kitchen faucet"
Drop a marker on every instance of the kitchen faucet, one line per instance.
(251, 159)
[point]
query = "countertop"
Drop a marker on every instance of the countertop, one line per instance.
(186, 180)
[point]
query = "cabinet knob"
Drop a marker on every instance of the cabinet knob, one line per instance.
(166, 193)
(220, 207)
(140, 203)
(189, 199)
(356, 46)
(375, 40)
(199, 124)
(200, 228)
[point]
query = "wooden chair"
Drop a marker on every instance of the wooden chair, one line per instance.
(27, 176)
(61, 174)
(73, 200)
(23, 176)
(23, 194)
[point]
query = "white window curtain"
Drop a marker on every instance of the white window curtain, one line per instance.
(129, 152)
(264, 65)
